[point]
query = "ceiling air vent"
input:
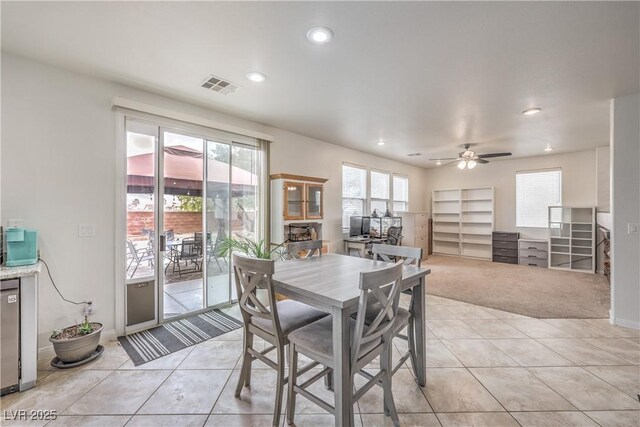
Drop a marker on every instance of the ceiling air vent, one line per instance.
(219, 85)
(414, 154)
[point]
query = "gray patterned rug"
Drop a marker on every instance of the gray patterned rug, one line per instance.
(145, 346)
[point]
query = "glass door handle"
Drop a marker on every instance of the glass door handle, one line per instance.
(163, 243)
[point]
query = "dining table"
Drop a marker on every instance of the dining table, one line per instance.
(331, 283)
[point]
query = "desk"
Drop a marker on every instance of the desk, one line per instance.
(359, 245)
(331, 283)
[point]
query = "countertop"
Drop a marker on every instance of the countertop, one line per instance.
(22, 271)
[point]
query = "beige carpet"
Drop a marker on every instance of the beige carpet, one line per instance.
(530, 291)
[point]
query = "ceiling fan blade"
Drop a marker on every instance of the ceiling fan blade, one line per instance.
(486, 156)
(445, 158)
(482, 161)
(452, 161)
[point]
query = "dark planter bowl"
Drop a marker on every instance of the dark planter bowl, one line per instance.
(76, 349)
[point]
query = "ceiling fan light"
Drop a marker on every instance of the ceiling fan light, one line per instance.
(462, 164)
(472, 164)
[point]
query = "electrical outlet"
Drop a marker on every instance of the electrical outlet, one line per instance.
(86, 230)
(634, 228)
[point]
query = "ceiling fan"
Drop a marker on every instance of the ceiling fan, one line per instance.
(469, 159)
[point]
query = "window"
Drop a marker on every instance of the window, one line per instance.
(354, 192)
(400, 193)
(379, 191)
(535, 192)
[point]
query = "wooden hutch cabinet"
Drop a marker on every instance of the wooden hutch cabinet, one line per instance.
(297, 203)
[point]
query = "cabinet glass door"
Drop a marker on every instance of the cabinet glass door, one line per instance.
(294, 200)
(314, 201)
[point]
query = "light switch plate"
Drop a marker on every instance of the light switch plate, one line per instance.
(86, 230)
(634, 228)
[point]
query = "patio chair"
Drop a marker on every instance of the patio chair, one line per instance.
(268, 320)
(215, 252)
(190, 252)
(379, 289)
(138, 256)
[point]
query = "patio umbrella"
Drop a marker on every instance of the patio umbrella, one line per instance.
(183, 171)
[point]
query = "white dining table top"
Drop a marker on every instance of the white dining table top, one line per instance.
(331, 279)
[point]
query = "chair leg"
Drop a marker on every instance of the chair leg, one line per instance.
(293, 375)
(328, 381)
(245, 372)
(389, 404)
(411, 336)
(279, 387)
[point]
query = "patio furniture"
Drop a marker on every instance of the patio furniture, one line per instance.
(309, 248)
(270, 321)
(409, 256)
(216, 250)
(379, 289)
(191, 253)
(138, 256)
(332, 283)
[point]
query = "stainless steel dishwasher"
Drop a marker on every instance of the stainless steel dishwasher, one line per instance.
(9, 336)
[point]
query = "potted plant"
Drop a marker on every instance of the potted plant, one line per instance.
(251, 248)
(76, 343)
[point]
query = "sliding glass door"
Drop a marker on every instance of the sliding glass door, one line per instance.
(186, 193)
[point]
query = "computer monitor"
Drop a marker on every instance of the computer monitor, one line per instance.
(359, 226)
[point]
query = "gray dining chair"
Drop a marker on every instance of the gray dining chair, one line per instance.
(268, 320)
(138, 256)
(408, 256)
(310, 248)
(380, 287)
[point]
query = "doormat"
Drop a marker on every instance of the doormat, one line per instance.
(148, 345)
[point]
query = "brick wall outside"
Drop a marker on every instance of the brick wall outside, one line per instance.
(180, 222)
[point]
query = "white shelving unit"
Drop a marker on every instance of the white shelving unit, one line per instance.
(572, 238)
(463, 220)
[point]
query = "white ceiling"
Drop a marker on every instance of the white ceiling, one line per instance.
(425, 77)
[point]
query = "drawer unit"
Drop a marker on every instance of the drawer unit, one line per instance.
(528, 253)
(505, 259)
(500, 235)
(505, 247)
(505, 244)
(533, 252)
(534, 262)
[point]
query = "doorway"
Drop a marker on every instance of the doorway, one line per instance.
(187, 191)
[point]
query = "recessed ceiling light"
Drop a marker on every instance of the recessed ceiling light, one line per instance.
(548, 148)
(438, 163)
(531, 111)
(320, 35)
(256, 77)
(381, 142)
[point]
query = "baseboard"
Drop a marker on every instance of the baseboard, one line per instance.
(46, 353)
(625, 323)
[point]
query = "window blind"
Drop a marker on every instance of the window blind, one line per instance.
(354, 192)
(535, 192)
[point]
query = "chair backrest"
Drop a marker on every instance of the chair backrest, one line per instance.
(169, 234)
(394, 235)
(390, 253)
(132, 250)
(190, 248)
(381, 289)
(312, 247)
(252, 274)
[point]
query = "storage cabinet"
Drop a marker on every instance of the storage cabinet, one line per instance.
(415, 230)
(532, 252)
(505, 247)
(572, 238)
(463, 221)
(296, 202)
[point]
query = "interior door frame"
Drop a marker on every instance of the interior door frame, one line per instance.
(120, 203)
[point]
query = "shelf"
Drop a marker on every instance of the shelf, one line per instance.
(446, 201)
(446, 213)
(446, 240)
(476, 200)
(477, 234)
(448, 222)
(477, 222)
(476, 242)
(472, 211)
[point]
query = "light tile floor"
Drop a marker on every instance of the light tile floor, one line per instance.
(484, 368)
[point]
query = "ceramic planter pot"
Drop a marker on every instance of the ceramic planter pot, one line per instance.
(78, 348)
